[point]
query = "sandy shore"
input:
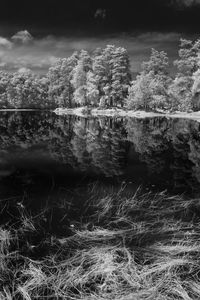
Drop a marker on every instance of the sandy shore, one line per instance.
(126, 113)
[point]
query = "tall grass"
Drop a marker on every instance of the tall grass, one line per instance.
(130, 247)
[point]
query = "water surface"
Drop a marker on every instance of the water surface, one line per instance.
(67, 150)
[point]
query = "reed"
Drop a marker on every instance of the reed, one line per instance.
(140, 246)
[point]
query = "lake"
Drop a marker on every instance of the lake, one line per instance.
(41, 148)
(153, 152)
(46, 159)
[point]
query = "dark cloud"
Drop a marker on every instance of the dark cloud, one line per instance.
(188, 3)
(101, 13)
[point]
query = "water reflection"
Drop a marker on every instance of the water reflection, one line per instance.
(169, 148)
(159, 152)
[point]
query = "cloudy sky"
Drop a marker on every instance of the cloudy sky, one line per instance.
(42, 52)
(60, 27)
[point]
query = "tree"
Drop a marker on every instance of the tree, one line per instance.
(79, 82)
(60, 86)
(92, 91)
(181, 94)
(196, 90)
(42, 89)
(150, 89)
(86, 60)
(187, 63)
(79, 79)
(111, 70)
(100, 75)
(120, 75)
(26, 90)
(19, 89)
(4, 82)
(139, 93)
(158, 63)
(182, 86)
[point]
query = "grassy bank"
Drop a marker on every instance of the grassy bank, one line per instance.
(141, 246)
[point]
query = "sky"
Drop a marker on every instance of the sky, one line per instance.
(113, 14)
(60, 27)
(40, 53)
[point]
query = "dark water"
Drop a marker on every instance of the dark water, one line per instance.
(48, 161)
(45, 150)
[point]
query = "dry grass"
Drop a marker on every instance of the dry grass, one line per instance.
(139, 247)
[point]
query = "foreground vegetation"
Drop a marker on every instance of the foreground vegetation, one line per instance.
(123, 246)
(103, 80)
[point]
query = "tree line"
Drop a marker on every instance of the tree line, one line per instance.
(103, 80)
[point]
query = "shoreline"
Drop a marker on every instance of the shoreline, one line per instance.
(25, 110)
(21, 109)
(139, 114)
(81, 112)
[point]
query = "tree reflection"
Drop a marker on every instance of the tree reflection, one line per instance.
(88, 145)
(168, 148)
(97, 144)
